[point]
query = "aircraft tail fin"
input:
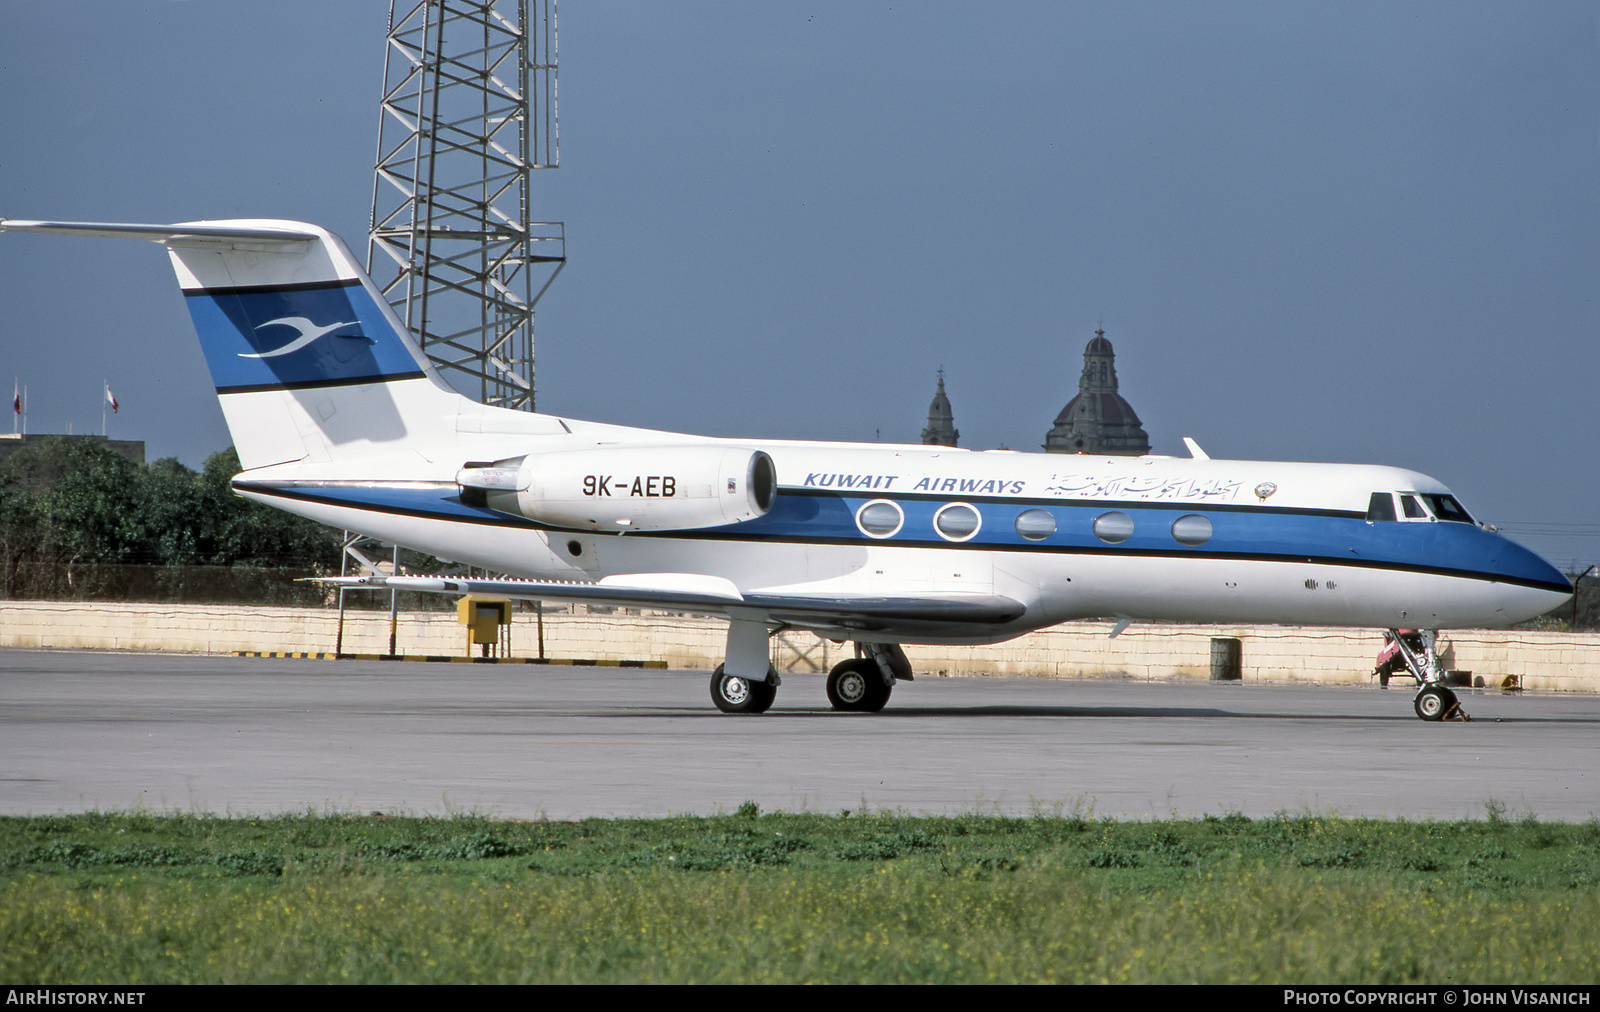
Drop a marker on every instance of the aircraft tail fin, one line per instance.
(309, 361)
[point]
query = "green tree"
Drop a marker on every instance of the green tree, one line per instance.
(70, 505)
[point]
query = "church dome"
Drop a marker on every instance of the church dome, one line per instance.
(1111, 408)
(1098, 420)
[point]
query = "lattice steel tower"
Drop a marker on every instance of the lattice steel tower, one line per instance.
(469, 111)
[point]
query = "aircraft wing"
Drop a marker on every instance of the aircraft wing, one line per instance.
(708, 595)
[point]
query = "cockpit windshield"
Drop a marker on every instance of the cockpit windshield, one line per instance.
(1445, 507)
(1416, 506)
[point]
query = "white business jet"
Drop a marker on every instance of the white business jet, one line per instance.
(338, 416)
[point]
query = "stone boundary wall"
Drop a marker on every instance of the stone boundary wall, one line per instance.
(1541, 660)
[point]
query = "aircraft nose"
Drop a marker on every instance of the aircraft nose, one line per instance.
(1541, 586)
(1519, 604)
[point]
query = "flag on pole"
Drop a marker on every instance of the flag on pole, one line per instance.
(111, 399)
(16, 398)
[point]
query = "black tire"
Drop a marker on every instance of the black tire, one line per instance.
(733, 694)
(1434, 702)
(765, 694)
(857, 686)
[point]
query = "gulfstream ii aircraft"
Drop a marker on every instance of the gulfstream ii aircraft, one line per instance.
(338, 416)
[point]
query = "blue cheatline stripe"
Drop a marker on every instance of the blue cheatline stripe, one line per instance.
(1024, 502)
(294, 336)
(1448, 549)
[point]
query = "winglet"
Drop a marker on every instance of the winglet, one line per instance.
(1194, 449)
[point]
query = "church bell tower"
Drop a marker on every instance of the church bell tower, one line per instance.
(941, 430)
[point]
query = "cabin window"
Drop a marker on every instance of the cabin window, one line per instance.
(1113, 528)
(1380, 508)
(1445, 507)
(1412, 509)
(1192, 530)
(1036, 525)
(880, 519)
(957, 522)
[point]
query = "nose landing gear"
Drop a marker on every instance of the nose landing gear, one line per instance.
(1434, 702)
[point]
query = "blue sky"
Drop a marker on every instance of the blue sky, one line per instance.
(1352, 232)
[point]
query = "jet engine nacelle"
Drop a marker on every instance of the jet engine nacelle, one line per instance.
(644, 488)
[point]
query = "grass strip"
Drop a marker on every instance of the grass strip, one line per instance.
(796, 897)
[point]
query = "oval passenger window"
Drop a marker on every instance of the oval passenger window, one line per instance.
(957, 522)
(879, 518)
(1036, 525)
(1113, 528)
(1191, 530)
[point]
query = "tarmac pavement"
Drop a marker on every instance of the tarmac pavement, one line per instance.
(105, 731)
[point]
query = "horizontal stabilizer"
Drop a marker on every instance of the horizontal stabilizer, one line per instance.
(222, 234)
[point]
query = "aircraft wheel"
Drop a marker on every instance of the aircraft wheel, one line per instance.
(734, 694)
(857, 685)
(847, 685)
(1434, 702)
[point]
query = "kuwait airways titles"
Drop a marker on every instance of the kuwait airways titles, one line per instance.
(1083, 486)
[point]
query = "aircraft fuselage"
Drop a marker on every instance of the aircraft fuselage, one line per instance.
(1069, 536)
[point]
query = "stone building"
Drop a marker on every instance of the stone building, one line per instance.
(941, 430)
(11, 442)
(1098, 420)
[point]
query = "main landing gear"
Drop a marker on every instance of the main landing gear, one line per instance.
(748, 683)
(734, 694)
(863, 683)
(857, 685)
(1433, 702)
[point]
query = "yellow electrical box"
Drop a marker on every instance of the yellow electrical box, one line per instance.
(483, 617)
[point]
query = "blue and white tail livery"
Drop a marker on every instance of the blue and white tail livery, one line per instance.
(338, 416)
(307, 357)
